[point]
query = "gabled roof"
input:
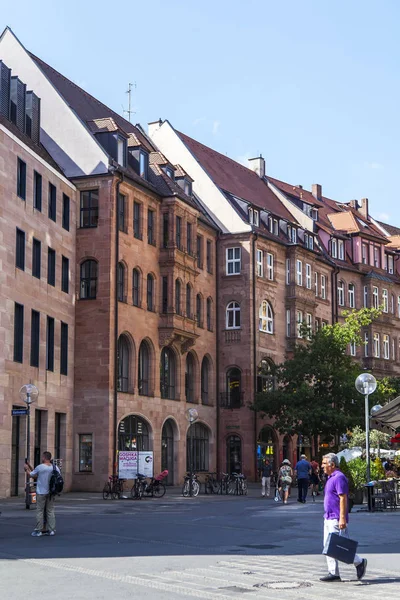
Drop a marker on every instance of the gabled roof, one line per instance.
(232, 177)
(390, 228)
(86, 106)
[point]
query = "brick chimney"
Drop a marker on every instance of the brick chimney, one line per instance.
(317, 191)
(354, 204)
(363, 207)
(257, 165)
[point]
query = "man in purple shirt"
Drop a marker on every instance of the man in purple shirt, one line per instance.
(336, 514)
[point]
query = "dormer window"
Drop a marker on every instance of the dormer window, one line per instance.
(143, 164)
(314, 214)
(334, 248)
(251, 216)
(168, 171)
(389, 264)
(309, 241)
(292, 234)
(187, 186)
(340, 250)
(121, 151)
(254, 216)
(276, 228)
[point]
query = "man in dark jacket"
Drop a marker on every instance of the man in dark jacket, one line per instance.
(266, 478)
(303, 472)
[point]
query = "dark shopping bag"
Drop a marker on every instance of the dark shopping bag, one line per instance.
(340, 548)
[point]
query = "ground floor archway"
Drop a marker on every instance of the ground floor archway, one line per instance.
(267, 448)
(134, 434)
(168, 442)
(233, 454)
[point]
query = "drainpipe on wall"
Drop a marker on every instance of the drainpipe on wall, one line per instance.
(218, 345)
(115, 407)
(255, 238)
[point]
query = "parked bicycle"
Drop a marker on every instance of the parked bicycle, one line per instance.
(240, 484)
(191, 486)
(156, 489)
(211, 484)
(226, 485)
(113, 488)
(138, 487)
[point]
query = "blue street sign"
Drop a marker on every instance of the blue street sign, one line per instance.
(16, 412)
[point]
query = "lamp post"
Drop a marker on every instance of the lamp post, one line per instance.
(366, 385)
(28, 394)
(191, 415)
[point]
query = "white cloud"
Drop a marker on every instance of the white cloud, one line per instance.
(385, 217)
(198, 121)
(215, 127)
(375, 166)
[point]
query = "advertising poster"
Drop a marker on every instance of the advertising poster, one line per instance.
(146, 463)
(127, 465)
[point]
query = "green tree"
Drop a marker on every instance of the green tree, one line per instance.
(377, 439)
(346, 470)
(315, 393)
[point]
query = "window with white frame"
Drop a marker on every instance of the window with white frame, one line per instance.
(251, 215)
(260, 263)
(392, 304)
(352, 295)
(375, 297)
(366, 344)
(377, 261)
(385, 299)
(390, 264)
(316, 283)
(324, 324)
(309, 325)
(270, 266)
(299, 272)
(340, 249)
(393, 349)
(276, 227)
(308, 276)
(266, 317)
(386, 346)
(233, 261)
(352, 348)
(256, 218)
(323, 287)
(233, 315)
(311, 242)
(299, 323)
(340, 291)
(365, 296)
(288, 272)
(365, 254)
(288, 322)
(377, 345)
(334, 247)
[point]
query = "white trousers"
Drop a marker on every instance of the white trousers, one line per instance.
(332, 526)
(265, 481)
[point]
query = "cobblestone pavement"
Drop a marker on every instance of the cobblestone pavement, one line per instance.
(209, 547)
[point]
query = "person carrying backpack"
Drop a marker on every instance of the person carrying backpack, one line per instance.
(49, 484)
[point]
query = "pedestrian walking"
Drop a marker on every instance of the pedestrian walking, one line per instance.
(336, 515)
(44, 500)
(314, 478)
(303, 472)
(285, 478)
(266, 479)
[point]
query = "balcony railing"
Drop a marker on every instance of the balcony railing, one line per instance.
(232, 400)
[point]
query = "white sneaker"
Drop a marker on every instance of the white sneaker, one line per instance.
(36, 533)
(52, 532)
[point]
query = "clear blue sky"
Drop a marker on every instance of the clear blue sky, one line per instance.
(312, 85)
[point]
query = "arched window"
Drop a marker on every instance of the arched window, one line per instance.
(133, 435)
(233, 315)
(167, 373)
(199, 310)
(88, 280)
(209, 314)
(234, 397)
(178, 297)
(266, 322)
(121, 282)
(136, 287)
(189, 378)
(189, 300)
(205, 374)
(150, 292)
(340, 291)
(352, 295)
(144, 369)
(197, 444)
(123, 364)
(266, 381)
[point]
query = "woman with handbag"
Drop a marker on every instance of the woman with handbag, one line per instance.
(285, 478)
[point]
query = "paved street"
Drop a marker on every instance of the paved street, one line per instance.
(209, 547)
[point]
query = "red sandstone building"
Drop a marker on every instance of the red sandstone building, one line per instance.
(193, 275)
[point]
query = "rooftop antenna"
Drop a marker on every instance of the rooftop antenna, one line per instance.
(129, 111)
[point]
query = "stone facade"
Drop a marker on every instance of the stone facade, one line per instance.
(51, 416)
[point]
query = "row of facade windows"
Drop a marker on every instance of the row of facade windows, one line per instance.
(20, 251)
(266, 316)
(38, 194)
(19, 330)
(168, 372)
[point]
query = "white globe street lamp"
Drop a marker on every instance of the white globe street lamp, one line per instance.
(366, 385)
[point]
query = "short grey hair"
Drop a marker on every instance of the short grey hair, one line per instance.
(332, 458)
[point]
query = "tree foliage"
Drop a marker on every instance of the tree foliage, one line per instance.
(315, 393)
(356, 438)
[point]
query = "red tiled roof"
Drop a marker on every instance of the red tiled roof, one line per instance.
(86, 106)
(233, 177)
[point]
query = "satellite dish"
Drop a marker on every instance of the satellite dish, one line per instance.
(192, 415)
(29, 393)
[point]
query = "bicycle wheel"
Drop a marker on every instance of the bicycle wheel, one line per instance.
(185, 489)
(106, 491)
(159, 490)
(244, 488)
(215, 486)
(115, 492)
(133, 491)
(231, 487)
(195, 488)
